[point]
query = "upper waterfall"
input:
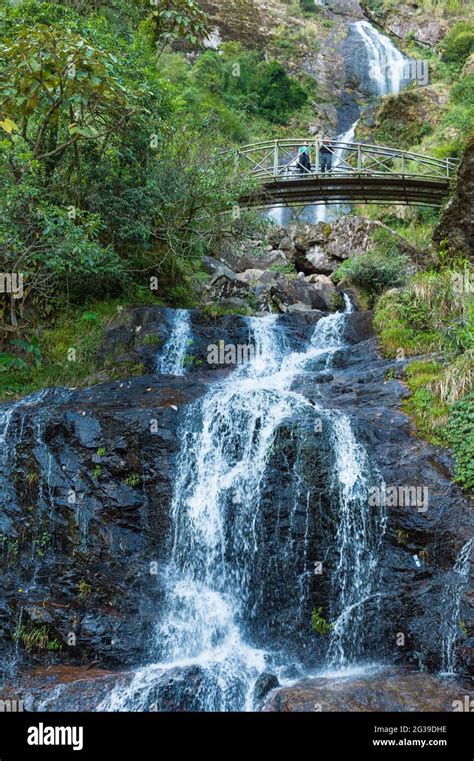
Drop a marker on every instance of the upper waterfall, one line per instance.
(385, 62)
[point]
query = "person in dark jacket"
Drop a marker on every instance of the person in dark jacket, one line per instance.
(325, 156)
(304, 161)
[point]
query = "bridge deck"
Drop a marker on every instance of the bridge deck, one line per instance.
(325, 188)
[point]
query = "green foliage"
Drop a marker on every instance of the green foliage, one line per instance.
(319, 623)
(61, 90)
(309, 6)
(41, 543)
(373, 271)
(401, 121)
(96, 472)
(429, 413)
(402, 537)
(430, 314)
(84, 589)
(278, 94)
(434, 313)
(179, 20)
(8, 545)
(133, 479)
(460, 435)
(151, 340)
(283, 269)
(36, 638)
(191, 360)
(246, 82)
(458, 43)
(104, 181)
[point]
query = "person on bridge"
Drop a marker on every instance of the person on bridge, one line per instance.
(304, 161)
(325, 156)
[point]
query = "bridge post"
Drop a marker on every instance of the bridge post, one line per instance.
(403, 163)
(275, 159)
(359, 159)
(317, 144)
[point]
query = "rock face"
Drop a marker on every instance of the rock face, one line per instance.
(409, 20)
(381, 690)
(456, 228)
(267, 270)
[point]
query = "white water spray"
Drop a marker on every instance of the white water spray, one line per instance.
(386, 62)
(171, 360)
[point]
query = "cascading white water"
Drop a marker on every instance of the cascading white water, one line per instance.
(171, 360)
(360, 529)
(216, 519)
(451, 607)
(386, 62)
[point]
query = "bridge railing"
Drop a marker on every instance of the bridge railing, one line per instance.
(279, 160)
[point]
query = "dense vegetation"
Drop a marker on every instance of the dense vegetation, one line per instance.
(432, 316)
(112, 173)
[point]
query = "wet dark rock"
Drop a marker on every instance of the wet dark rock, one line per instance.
(264, 684)
(377, 690)
(180, 689)
(92, 521)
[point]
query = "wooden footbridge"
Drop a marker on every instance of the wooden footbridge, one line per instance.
(358, 173)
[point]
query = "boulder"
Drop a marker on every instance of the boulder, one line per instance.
(225, 286)
(325, 285)
(287, 246)
(256, 276)
(262, 259)
(315, 260)
(214, 267)
(264, 684)
(286, 293)
(384, 690)
(320, 249)
(306, 235)
(249, 254)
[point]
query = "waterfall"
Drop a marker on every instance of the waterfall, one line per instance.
(360, 529)
(216, 521)
(451, 609)
(386, 63)
(171, 360)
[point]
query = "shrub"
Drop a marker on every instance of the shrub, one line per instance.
(458, 43)
(374, 272)
(460, 435)
(319, 623)
(430, 314)
(309, 6)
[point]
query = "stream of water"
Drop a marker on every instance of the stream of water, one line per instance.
(171, 359)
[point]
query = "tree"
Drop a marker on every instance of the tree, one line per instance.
(178, 20)
(57, 90)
